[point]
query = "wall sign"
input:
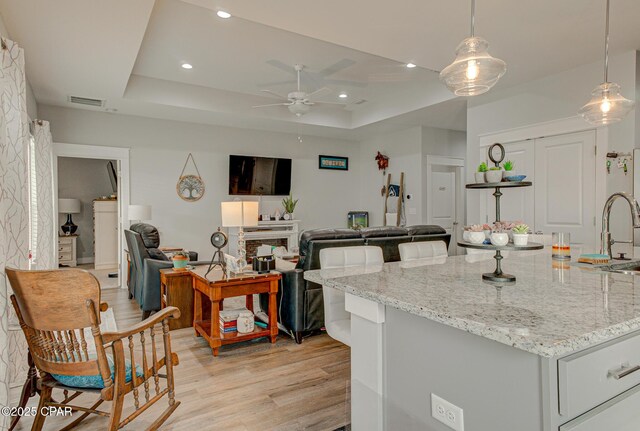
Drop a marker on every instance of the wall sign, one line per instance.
(333, 162)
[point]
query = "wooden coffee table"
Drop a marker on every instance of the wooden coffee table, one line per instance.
(209, 292)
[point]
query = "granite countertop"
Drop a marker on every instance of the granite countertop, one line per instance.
(548, 311)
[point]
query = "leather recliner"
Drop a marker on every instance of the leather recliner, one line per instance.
(300, 302)
(337, 319)
(147, 260)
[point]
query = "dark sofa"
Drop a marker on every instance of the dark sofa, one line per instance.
(300, 302)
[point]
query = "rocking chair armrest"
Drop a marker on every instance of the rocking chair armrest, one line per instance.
(165, 313)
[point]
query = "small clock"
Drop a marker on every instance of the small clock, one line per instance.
(219, 239)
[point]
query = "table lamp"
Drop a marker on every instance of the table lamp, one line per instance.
(139, 213)
(68, 207)
(240, 214)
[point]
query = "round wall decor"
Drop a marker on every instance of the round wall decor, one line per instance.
(190, 187)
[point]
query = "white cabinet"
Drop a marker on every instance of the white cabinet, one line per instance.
(67, 250)
(105, 231)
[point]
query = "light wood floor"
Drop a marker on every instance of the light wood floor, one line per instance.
(249, 386)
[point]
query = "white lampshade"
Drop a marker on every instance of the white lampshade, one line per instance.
(69, 206)
(236, 214)
(139, 212)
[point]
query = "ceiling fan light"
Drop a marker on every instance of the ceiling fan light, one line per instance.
(607, 105)
(474, 71)
(299, 109)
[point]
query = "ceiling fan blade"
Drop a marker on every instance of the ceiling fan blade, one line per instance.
(280, 65)
(272, 104)
(273, 93)
(318, 91)
(308, 102)
(348, 83)
(330, 103)
(337, 67)
(271, 84)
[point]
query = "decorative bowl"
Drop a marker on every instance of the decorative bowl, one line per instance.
(515, 177)
(499, 238)
(476, 237)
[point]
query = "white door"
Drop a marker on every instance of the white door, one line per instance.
(105, 219)
(442, 186)
(565, 185)
(515, 204)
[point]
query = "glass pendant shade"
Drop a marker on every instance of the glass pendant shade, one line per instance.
(474, 70)
(606, 106)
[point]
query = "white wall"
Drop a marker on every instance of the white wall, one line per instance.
(555, 97)
(84, 179)
(158, 152)
(32, 107)
(406, 150)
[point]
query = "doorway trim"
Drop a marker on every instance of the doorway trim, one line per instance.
(107, 153)
(458, 164)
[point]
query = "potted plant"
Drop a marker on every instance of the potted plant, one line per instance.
(494, 174)
(180, 259)
(508, 168)
(520, 234)
(476, 234)
(289, 205)
(499, 236)
(482, 168)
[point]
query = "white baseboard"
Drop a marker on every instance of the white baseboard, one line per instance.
(85, 260)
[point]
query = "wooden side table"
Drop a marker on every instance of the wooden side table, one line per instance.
(209, 294)
(176, 291)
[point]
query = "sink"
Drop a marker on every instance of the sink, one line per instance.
(632, 268)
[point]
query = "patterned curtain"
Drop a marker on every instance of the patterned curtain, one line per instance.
(14, 200)
(45, 241)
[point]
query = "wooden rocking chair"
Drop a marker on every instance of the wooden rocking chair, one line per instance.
(54, 308)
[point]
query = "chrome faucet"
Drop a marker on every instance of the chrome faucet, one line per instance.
(607, 241)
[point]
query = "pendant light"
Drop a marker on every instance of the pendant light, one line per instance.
(474, 71)
(607, 105)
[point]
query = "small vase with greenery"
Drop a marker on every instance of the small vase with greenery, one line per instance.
(494, 174)
(180, 259)
(520, 234)
(482, 168)
(508, 168)
(289, 205)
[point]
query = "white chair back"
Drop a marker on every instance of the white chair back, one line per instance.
(337, 320)
(421, 250)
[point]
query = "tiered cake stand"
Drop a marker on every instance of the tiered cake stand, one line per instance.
(497, 275)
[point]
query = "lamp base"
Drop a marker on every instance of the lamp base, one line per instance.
(69, 228)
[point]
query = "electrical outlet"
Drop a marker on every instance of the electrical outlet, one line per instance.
(447, 413)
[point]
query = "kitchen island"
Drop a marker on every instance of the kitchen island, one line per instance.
(557, 350)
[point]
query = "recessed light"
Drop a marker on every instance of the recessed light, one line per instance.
(411, 65)
(343, 95)
(187, 66)
(223, 14)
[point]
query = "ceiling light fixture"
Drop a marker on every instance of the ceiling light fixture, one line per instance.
(223, 14)
(607, 105)
(187, 66)
(474, 71)
(343, 95)
(411, 65)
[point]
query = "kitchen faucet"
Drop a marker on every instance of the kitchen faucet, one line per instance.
(607, 241)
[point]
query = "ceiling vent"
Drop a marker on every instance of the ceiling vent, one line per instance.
(360, 102)
(87, 101)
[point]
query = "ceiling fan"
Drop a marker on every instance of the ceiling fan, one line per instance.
(298, 102)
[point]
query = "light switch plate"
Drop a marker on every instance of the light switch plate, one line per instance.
(447, 413)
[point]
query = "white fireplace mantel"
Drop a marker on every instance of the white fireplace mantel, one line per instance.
(281, 229)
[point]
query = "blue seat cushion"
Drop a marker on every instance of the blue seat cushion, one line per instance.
(95, 381)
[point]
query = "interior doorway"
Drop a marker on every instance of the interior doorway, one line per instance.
(91, 186)
(445, 196)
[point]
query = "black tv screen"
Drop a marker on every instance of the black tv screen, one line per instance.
(250, 175)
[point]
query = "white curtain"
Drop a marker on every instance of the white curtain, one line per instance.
(14, 201)
(45, 241)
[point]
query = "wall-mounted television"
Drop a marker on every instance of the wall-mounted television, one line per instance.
(249, 175)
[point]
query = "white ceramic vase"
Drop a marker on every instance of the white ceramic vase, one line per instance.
(494, 176)
(499, 238)
(520, 239)
(480, 177)
(465, 235)
(476, 237)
